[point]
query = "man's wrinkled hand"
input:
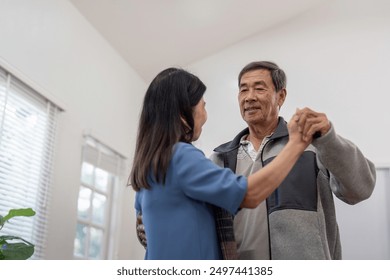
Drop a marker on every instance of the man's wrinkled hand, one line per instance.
(311, 123)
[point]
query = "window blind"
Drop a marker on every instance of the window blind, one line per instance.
(100, 155)
(27, 136)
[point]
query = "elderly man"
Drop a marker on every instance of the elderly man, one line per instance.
(298, 221)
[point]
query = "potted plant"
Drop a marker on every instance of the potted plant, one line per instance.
(18, 248)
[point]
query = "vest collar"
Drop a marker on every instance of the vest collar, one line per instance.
(280, 131)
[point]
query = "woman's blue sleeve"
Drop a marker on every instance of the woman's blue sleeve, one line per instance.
(203, 180)
(137, 202)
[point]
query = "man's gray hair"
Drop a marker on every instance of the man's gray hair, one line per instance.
(278, 76)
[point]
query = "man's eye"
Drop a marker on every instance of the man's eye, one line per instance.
(259, 89)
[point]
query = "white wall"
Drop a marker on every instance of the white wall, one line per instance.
(336, 58)
(54, 46)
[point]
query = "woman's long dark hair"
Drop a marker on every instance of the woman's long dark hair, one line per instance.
(167, 108)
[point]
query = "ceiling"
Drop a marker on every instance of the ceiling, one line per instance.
(154, 34)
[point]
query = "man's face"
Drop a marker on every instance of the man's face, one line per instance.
(259, 103)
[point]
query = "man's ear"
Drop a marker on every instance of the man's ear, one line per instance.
(282, 96)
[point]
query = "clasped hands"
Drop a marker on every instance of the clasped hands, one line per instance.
(309, 124)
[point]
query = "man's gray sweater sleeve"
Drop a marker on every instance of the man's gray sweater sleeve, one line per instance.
(352, 176)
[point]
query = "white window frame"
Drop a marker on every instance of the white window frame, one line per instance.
(100, 156)
(365, 227)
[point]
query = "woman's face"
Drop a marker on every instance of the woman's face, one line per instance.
(200, 117)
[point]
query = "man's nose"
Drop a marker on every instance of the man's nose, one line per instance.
(251, 95)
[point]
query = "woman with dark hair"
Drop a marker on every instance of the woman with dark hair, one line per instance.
(176, 183)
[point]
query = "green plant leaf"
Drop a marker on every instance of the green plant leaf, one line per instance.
(16, 251)
(27, 212)
(4, 238)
